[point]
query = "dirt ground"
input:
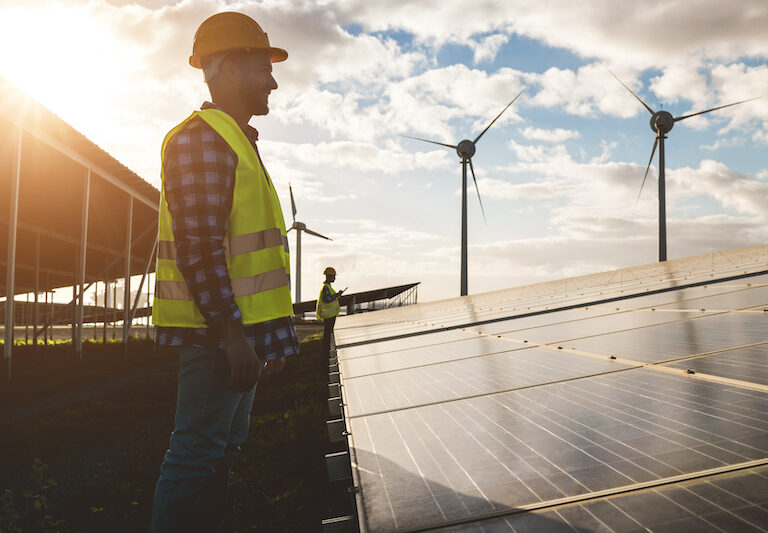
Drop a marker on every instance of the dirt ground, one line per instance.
(82, 442)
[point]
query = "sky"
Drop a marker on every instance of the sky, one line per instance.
(559, 172)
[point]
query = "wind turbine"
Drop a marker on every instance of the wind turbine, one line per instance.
(466, 149)
(662, 123)
(299, 227)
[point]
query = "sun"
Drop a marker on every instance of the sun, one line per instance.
(58, 55)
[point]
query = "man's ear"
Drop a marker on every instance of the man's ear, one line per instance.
(229, 69)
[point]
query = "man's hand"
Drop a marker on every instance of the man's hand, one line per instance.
(274, 366)
(244, 365)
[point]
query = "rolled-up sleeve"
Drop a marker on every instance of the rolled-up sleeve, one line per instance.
(199, 176)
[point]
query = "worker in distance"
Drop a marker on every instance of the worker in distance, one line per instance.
(223, 298)
(328, 308)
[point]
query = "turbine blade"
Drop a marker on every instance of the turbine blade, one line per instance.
(482, 209)
(433, 142)
(289, 229)
(715, 109)
(293, 204)
(632, 93)
(653, 151)
(317, 234)
(497, 116)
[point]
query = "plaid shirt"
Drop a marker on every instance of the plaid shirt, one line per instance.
(199, 169)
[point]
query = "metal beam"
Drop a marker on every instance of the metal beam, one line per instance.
(110, 264)
(143, 277)
(81, 262)
(86, 163)
(73, 240)
(11, 263)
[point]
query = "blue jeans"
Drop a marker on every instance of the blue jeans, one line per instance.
(211, 422)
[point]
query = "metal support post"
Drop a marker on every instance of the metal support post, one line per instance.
(149, 313)
(114, 308)
(662, 203)
(464, 276)
(81, 262)
(25, 319)
(48, 316)
(106, 304)
(298, 267)
(73, 303)
(127, 286)
(13, 221)
(37, 288)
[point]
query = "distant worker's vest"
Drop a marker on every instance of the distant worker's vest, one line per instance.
(327, 310)
(255, 245)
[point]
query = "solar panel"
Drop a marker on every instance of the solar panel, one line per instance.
(729, 502)
(621, 406)
(747, 364)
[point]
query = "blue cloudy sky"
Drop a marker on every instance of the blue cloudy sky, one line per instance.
(559, 172)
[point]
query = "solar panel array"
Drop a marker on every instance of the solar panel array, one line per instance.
(622, 401)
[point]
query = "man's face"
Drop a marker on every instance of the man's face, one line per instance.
(256, 82)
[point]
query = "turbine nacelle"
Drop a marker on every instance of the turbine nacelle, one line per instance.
(662, 122)
(465, 149)
(299, 225)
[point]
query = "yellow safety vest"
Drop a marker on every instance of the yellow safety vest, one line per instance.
(327, 310)
(255, 245)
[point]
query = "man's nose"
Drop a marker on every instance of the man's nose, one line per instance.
(272, 82)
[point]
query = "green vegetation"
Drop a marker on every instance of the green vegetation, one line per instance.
(99, 428)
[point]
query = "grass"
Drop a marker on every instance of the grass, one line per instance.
(82, 442)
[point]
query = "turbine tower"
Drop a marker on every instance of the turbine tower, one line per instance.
(662, 123)
(299, 227)
(466, 149)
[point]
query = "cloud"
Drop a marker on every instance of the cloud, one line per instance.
(554, 135)
(641, 35)
(587, 91)
(734, 191)
(388, 158)
(487, 48)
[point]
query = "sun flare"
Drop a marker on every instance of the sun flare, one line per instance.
(65, 62)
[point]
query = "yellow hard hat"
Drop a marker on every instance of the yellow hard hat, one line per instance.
(329, 271)
(231, 31)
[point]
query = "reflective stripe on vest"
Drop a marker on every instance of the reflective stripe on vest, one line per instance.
(327, 310)
(240, 244)
(255, 246)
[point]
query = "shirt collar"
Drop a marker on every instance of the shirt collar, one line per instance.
(250, 132)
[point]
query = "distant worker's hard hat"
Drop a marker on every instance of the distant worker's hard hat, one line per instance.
(230, 31)
(330, 271)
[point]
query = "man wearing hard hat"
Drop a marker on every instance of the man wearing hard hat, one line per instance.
(328, 307)
(223, 295)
